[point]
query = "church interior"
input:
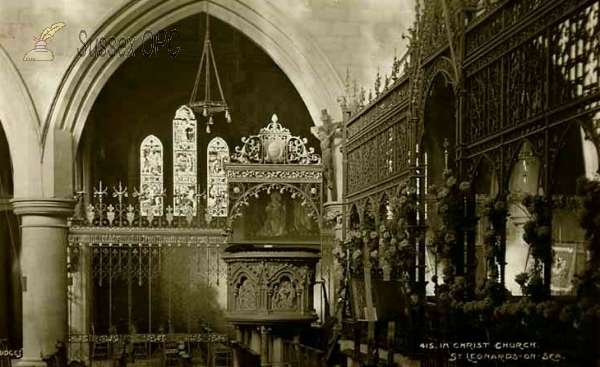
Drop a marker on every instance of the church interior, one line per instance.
(300, 183)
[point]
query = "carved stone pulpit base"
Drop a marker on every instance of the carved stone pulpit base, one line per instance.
(270, 297)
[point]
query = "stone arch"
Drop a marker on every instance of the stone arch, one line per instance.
(241, 273)
(245, 299)
(443, 66)
(353, 217)
(567, 159)
(477, 176)
(279, 275)
(21, 124)
(241, 201)
(383, 206)
(514, 159)
(369, 214)
(310, 72)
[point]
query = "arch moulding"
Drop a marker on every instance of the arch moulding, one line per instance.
(21, 124)
(290, 47)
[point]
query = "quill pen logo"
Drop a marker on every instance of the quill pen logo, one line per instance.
(40, 52)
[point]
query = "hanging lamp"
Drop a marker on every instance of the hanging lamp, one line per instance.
(207, 107)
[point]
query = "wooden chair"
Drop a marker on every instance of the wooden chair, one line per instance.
(100, 350)
(141, 351)
(171, 356)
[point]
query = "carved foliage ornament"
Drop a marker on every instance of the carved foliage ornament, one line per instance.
(275, 144)
(267, 176)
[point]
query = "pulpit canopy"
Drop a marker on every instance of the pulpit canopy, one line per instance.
(275, 188)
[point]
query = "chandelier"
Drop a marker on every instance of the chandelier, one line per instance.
(207, 107)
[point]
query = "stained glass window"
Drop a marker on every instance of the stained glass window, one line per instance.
(151, 176)
(217, 157)
(185, 158)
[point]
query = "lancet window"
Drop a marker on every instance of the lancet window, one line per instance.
(151, 176)
(217, 194)
(185, 162)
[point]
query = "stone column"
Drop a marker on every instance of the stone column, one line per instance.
(255, 340)
(237, 360)
(332, 232)
(5, 270)
(239, 334)
(278, 351)
(44, 270)
(264, 346)
(247, 337)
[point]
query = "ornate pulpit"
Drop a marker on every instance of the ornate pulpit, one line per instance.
(275, 188)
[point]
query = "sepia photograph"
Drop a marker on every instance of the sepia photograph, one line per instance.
(300, 183)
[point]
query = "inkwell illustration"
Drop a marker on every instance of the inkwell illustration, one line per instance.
(40, 52)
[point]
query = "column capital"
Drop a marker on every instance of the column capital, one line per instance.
(52, 207)
(332, 215)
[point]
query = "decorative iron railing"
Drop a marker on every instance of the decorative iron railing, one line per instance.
(121, 208)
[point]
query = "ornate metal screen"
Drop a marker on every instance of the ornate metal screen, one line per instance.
(138, 274)
(154, 283)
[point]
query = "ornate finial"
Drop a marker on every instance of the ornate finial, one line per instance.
(274, 118)
(377, 82)
(355, 95)
(395, 67)
(361, 98)
(342, 100)
(120, 192)
(100, 192)
(387, 82)
(370, 95)
(347, 86)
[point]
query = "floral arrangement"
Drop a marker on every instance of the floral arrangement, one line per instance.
(450, 205)
(587, 284)
(566, 323)
(348, 255)
(538, 234)
(389, 246)
(394, 242)
(496, 212)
